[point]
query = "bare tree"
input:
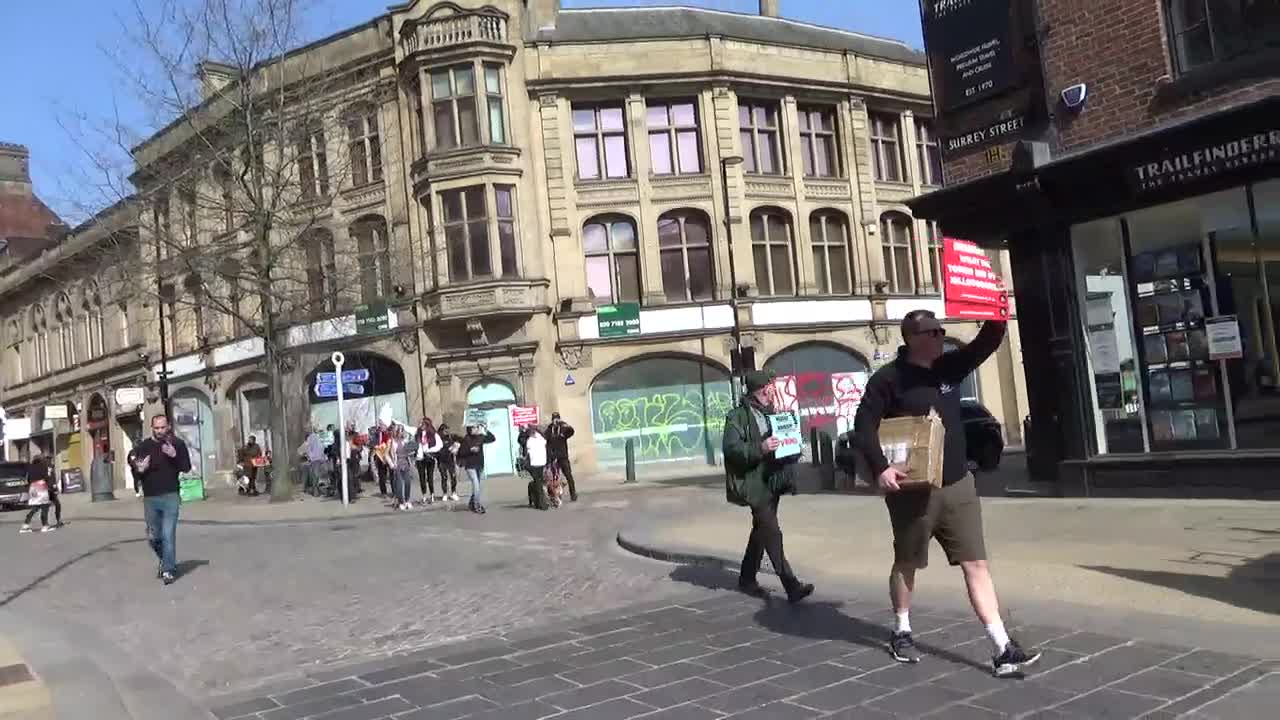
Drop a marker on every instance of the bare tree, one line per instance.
(249, 148)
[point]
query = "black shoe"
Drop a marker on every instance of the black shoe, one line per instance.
(798, 592)
(752, 588)
(573, 497)
(1011, 662)
(903, 648)
(168, 578)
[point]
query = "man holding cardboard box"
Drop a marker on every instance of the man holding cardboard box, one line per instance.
(758, 458)
(931, 494)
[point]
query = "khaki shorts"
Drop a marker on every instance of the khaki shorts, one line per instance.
(951, 514)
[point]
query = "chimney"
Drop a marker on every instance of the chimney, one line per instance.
(769, 8)
(15, 169)
(213, 77)
(543, 14)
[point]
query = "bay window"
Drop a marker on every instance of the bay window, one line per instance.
(479, 226)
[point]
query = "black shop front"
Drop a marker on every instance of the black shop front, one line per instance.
(1147, 280)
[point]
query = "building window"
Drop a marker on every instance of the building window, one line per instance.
(94, 325)
(40, 334)
(14, 341)
(466, 232)
(123, 310)
(505, 205)
(600, 141)
(761, 139)
(929, 152)
(772, 251)
(160, 223)
(226, 197)
(684, 242)
(899, 245)
(673, 138)
(415, 100)
(829, 235)
(66, 330)
(886, 147)
(364, 146)
(322, 272)
(373, 256)
(1210, 31)
(818, 142)
(493, 104)
(190, 213)
(933, 247)
(453, 107)
(313, 164)
(613, 259)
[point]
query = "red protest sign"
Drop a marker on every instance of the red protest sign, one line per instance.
(970, 288)
(522, 416)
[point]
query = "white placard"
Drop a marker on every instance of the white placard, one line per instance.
(130, 396)
(1106, 353)
(55, 412)
(1224, 338)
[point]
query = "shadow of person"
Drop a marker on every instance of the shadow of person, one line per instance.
(709, 576)
(186, 567)
(1252, 585)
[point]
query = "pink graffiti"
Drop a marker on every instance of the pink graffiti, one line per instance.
(821, 399)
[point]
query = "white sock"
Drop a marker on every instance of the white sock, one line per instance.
(998, 636)
(904, 621)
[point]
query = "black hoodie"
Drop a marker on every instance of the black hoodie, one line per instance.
(901, 389)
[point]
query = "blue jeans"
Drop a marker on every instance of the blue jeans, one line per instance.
(403, 483)
(161, 513)
(476, 476)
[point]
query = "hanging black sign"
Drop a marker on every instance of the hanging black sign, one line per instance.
(970, 48)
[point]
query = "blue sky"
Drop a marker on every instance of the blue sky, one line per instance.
(55, 52)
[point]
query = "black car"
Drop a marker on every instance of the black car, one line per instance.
(983, 435)
(13, 485)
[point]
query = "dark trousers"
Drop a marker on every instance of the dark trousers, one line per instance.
(448, 478)
(252, 473)
(766, 537)
(427, 476)
(44, 509)
(566, 471)
(384, 474)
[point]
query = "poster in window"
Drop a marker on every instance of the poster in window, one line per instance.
(1192, 307)
(1224, 338)
(1180, 386)
(1162, 426)
(1167, 264)
(1204, 389)
(1144, 267)
(1170, 308)
(1189, 259)
(1159, 387)
(1184, 425)
(1105, 352)
(1176, 346)
(1154, 348)
(1110, 391)
(1148, 312)
(1207, 423)
(1198, 345)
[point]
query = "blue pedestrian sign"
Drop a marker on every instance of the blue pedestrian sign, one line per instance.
(326, 389)
(352, 388)
(348, 376)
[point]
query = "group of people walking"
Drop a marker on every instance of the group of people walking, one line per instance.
(923, 377)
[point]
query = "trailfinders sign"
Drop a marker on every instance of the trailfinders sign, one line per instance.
(970, 48)
(1247, 150)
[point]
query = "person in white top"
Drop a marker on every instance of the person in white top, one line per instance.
(429, 443)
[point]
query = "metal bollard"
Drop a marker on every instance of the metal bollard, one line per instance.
(826, 446)
(631, 461)
(814, 456)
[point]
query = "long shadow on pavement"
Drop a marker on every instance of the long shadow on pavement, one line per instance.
(109, 547)
(1255, 585)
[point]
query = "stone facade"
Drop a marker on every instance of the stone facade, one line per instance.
(539, 164)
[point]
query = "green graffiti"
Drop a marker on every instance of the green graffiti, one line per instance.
(665, 423)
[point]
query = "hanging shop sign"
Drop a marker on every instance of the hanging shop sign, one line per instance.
(971, 289)
(971, 49)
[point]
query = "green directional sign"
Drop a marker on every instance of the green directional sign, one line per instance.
(619, 320)
(372, 318)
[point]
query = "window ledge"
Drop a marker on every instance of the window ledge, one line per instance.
(596, 183)
(1209, 77)
(487, 298)
(367, 188)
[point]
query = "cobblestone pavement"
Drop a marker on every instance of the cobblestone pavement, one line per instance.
(731, 656)
(270, 603)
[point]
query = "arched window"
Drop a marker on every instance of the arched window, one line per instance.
(373, 255)
(822, 383)
(66, 330)
(613, 259)
(94, 325)
(899, 244)
(364, 146)
(322, 272)
(772, 248)
(13, 341)
(684, 241)
(829, 235)
(40, 336)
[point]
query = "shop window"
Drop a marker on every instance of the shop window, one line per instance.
(673, 138)
(829, 236)
(600, 142)
(818, 142)
(613, 259)
(898, 241)
(761, 138)
(773, 251)
(822, 383)
(672, 408)
(1203, 32)
(684, 246)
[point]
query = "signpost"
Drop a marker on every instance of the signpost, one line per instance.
(970, 288)
(338, 358)
(618, 320)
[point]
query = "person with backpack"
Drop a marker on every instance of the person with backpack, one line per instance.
(471, 457)
(40, 488)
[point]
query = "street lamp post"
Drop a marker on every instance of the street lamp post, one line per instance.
(725, 164)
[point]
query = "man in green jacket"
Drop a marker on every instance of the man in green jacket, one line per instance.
(755, 478)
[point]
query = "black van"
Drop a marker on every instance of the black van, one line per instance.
(13, 485)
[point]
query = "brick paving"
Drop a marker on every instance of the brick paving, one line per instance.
(726, 655)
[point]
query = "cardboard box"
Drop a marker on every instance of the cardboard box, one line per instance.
(914, 445)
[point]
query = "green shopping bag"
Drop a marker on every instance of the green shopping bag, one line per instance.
(190, 488)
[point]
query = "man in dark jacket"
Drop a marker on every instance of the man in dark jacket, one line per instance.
(925, 376)
(158, 461)
(471, 458)
(755, 478)
(558, 434)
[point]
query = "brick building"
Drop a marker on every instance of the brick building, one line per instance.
(1126, 154)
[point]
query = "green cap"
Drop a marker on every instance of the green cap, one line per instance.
(758, 379)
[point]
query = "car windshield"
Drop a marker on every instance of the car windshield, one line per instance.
(9, 471)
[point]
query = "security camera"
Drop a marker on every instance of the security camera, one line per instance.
(1073, 97)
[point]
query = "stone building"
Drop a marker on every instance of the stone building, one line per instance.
(580, 210)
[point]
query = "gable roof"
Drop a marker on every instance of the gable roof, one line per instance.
(603, 24)
(27, 225)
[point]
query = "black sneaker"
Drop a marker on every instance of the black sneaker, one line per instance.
(903, 648)
(799, 592)
(1011, 662)
(168, 578)
(752, 588)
